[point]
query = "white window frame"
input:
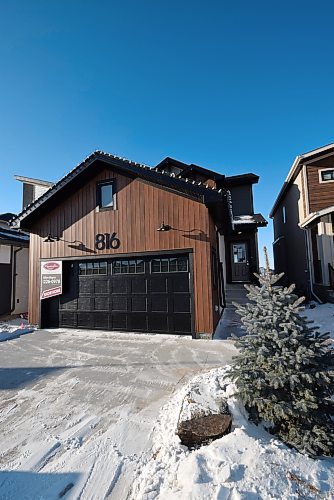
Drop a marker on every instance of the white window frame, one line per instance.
(321, 181)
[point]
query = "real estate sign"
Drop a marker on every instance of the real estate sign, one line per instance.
(51, 278)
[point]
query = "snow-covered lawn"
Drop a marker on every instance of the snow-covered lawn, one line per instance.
(323, 316)
(78, 408)
(246, 464)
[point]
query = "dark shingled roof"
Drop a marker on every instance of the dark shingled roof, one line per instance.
(199, 191)
(13, 237)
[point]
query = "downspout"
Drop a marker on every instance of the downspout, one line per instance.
(14, 277)
(310, 267)
(221, 287)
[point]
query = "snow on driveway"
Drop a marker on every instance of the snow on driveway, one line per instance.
(78, 407)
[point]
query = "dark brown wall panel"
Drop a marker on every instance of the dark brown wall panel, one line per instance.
(141, 207)
(321, 195)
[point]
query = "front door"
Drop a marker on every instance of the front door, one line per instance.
(240, 262)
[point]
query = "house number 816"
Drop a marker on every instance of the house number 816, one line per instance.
(107, 241)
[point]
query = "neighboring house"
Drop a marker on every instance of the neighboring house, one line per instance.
(32, 189)
(14, 265)
(140, 248)
(14, 253)
(303, 216)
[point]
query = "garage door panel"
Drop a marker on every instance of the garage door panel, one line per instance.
(68, 319)
(118, 303)
(101, 303)
(84, 304)
(179, 283)
(182, 303)
(85, 286)
(120, 284)
(118, 321)
(158, 284)
(159, 303)
(137, 322)
(138, 285)
(101, 320)
(158, 323)
(182, 322)
(138, 303)
(68, 304)
(101, 286)
(85, 319)
(135, 295)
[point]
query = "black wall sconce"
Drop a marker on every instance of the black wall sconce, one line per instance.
(164, 227)
(51, 239)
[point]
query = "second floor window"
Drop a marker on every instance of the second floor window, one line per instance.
(105, 195)
(327, 175)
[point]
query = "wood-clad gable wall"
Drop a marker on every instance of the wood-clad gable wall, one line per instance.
(321, 194)
(140, 209)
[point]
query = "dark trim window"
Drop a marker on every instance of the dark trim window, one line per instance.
(106, 195)
(128, 266)
(326, 175)
(170, 265)
(92, 268)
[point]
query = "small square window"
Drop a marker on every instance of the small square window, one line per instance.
(105, 195)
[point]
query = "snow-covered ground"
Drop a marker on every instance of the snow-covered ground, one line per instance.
(78, 408)
(246, 464)
(14, 328)
(323, 316)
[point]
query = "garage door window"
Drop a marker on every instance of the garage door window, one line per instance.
(169, 265)
(128, 266)
(92, 268)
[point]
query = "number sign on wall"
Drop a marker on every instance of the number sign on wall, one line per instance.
(106, 241)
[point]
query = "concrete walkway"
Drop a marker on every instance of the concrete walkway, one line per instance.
(230, 324)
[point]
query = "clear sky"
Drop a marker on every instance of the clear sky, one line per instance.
(236, 86)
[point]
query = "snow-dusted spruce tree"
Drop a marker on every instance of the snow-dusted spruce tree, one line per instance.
(284, 370)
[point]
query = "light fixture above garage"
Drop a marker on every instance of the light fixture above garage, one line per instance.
(164, 227)
(51, 239)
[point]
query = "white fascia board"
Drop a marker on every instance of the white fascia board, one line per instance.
(315, 215)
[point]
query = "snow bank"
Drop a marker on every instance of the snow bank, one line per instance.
(323, 316)
(247, 463)
(14, 328)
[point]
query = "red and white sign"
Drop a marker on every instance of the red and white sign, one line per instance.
(51, 278)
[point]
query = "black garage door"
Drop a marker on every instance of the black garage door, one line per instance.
(142, 294)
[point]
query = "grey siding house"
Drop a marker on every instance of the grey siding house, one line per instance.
(303, 217)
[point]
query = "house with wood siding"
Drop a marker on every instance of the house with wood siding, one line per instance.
(135, 248)
(303, 217)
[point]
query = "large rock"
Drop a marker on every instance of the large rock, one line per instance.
(203, 430)
(203, 417)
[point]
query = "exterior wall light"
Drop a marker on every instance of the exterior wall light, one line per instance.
(164, 227)
(51, 239)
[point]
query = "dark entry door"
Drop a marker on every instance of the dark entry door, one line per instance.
(143, 294)
(240, 261)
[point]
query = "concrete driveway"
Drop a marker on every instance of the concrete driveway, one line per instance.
(77, 407)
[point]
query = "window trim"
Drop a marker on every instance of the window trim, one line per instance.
(321, 181)
(99, 184)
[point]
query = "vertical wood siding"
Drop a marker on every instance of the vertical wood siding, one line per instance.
(321, 194)
(141, 207)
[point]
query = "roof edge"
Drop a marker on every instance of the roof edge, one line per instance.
(294, 169)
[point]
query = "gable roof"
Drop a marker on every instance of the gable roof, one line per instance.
(295, 169)
(200, 192)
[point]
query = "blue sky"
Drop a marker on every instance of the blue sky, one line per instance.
(234, 86)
